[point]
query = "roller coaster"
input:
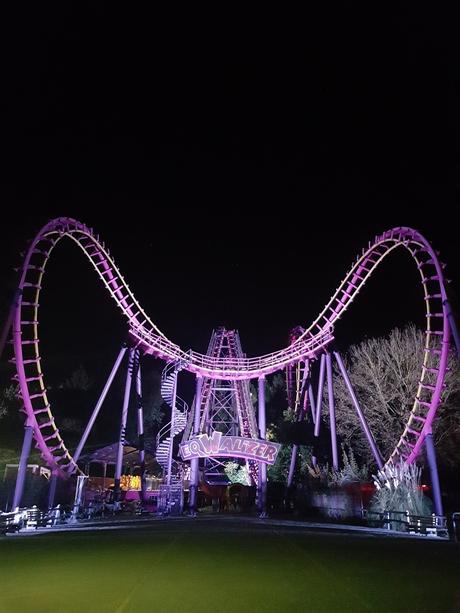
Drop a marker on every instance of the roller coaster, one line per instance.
(224, 360)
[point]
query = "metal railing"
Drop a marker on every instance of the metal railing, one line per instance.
(403, 521)
(456, 526)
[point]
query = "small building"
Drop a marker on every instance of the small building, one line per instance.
(100, 465)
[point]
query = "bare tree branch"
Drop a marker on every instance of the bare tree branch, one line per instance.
(385, 374)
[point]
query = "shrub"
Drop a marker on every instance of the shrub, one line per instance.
(399, 491)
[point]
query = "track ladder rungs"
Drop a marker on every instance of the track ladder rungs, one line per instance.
(46, 424)
(39, 411)
(432, 370)
(422, 402)
(428, 386)
(51, 436)
(39, 395)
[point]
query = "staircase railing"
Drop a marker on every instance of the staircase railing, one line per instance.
(179, 413)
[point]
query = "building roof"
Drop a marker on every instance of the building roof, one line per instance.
(108, 455)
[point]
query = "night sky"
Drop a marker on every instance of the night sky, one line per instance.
(234, 168)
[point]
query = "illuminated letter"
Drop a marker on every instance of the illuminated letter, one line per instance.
(225, 444)
(271, 453)
(205, 443)
(261, 452)
(215, 441)
(195, 448)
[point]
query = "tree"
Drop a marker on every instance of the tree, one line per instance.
(351, 472)
(11, 418)
(237, 473)
(9, 400)
(275, 397)
(279, 470)
(385, 373)
(78, 380)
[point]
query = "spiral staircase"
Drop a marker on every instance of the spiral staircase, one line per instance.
(179, 413)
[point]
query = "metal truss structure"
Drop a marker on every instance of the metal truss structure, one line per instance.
(226, 405)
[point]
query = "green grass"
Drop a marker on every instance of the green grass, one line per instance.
(211, 566)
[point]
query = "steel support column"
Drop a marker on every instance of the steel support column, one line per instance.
(370, 439)
(311, 400)
(453, 326)
(79, 497)
(140, 423)
(194, 466)
(290, 478)
(262, 483)
(22, 468)
(52, 490)
(97, 408)
(330, 393)
(173, 419)
(319, 398)
(433, 465)
(124, 418)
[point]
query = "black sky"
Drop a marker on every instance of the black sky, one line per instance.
(234, 166)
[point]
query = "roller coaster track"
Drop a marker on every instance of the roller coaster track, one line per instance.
(150, 340)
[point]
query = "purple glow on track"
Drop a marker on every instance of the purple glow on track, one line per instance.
(150, 340)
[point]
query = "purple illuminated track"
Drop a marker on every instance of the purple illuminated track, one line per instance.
(150, 340)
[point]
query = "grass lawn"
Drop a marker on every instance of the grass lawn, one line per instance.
(224, 566)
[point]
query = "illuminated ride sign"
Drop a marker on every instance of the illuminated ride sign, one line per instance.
(203, 446)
